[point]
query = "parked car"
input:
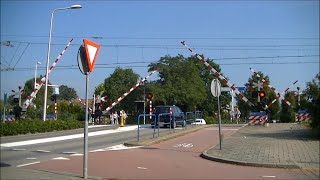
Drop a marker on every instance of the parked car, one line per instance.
(178, 116)
(199, 121)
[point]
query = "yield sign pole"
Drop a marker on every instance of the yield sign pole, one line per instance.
(87, 55)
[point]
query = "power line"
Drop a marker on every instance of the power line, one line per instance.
(21, 55)
(169, 38)
(105, 66)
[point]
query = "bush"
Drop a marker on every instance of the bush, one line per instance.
(37, 126)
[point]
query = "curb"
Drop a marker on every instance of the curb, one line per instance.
(205, 155)
(167, 136)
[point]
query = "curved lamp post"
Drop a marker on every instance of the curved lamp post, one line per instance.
(35, 74)
(48, 57)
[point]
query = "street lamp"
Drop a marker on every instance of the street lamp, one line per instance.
(48, 57)
(35, 74)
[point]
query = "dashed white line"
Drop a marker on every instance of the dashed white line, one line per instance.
(31, 158)
(269, 176)
(43, 151)
(18, 149)
(69, 152)
(142, 168)
(22, 165)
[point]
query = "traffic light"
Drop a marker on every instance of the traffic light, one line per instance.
(53, 97)
(261, 94)
(149, 96)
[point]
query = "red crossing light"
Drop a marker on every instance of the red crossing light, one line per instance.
(261, 93)
(149, 95)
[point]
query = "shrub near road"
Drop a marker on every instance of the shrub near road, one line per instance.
(37, 126)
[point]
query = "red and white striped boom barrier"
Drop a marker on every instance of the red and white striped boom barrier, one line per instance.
(43, 79)
(218, 75)
(274, 90)
(84, 104)
(128, 92)
(302, 117)
(258, 119)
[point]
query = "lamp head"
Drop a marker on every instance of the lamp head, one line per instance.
(77, 6)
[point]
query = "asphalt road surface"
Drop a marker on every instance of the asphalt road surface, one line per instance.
(177, 158)
(20, 151)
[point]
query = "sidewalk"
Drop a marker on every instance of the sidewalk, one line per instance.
(279, 145)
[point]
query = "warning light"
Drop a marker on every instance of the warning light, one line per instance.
(261, 93)
(149, 95)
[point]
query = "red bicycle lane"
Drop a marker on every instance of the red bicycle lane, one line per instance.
(177, 158)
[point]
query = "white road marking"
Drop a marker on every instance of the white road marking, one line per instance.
(120, 147)
(94, 126)
(76, 154)
(245, 125)
(18, 149)
(31, 158)
(60, 158)
(62, 138)
(142, 168)
(269, 176)
(185, 145)
(22, 165)
(226, 129)
(43, 151)
(98, 150)
(69, 152)
(115, 148)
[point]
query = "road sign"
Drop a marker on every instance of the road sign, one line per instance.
(225, 89)
(91, 50)
(241, 89)
(215, 88)
(82, 62)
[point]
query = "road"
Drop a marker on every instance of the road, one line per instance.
(19, 151)
(177, 158)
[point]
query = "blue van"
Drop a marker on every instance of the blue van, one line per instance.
(178, 116)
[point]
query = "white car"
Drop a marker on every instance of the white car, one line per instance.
(199, 121)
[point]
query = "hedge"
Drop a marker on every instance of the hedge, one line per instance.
(11, 128)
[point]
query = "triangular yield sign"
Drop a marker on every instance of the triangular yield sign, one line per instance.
(91, 50)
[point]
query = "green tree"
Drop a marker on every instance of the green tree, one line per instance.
(98, 89)
(288, 112)
(66, 93)
(179, 82)
(117, 84)
(269, 97)
(313, 95)
(38, 100)
(209, 105)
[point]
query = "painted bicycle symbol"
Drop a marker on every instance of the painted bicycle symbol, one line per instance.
(184, 145)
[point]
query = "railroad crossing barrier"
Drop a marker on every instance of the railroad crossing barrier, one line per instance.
(8, 118)
(302, 116)
(257, 118)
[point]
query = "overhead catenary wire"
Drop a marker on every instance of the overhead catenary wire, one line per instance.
(173, 38)
(21, 55)
(129, 65)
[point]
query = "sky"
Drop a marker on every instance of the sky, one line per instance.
(278, 38)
